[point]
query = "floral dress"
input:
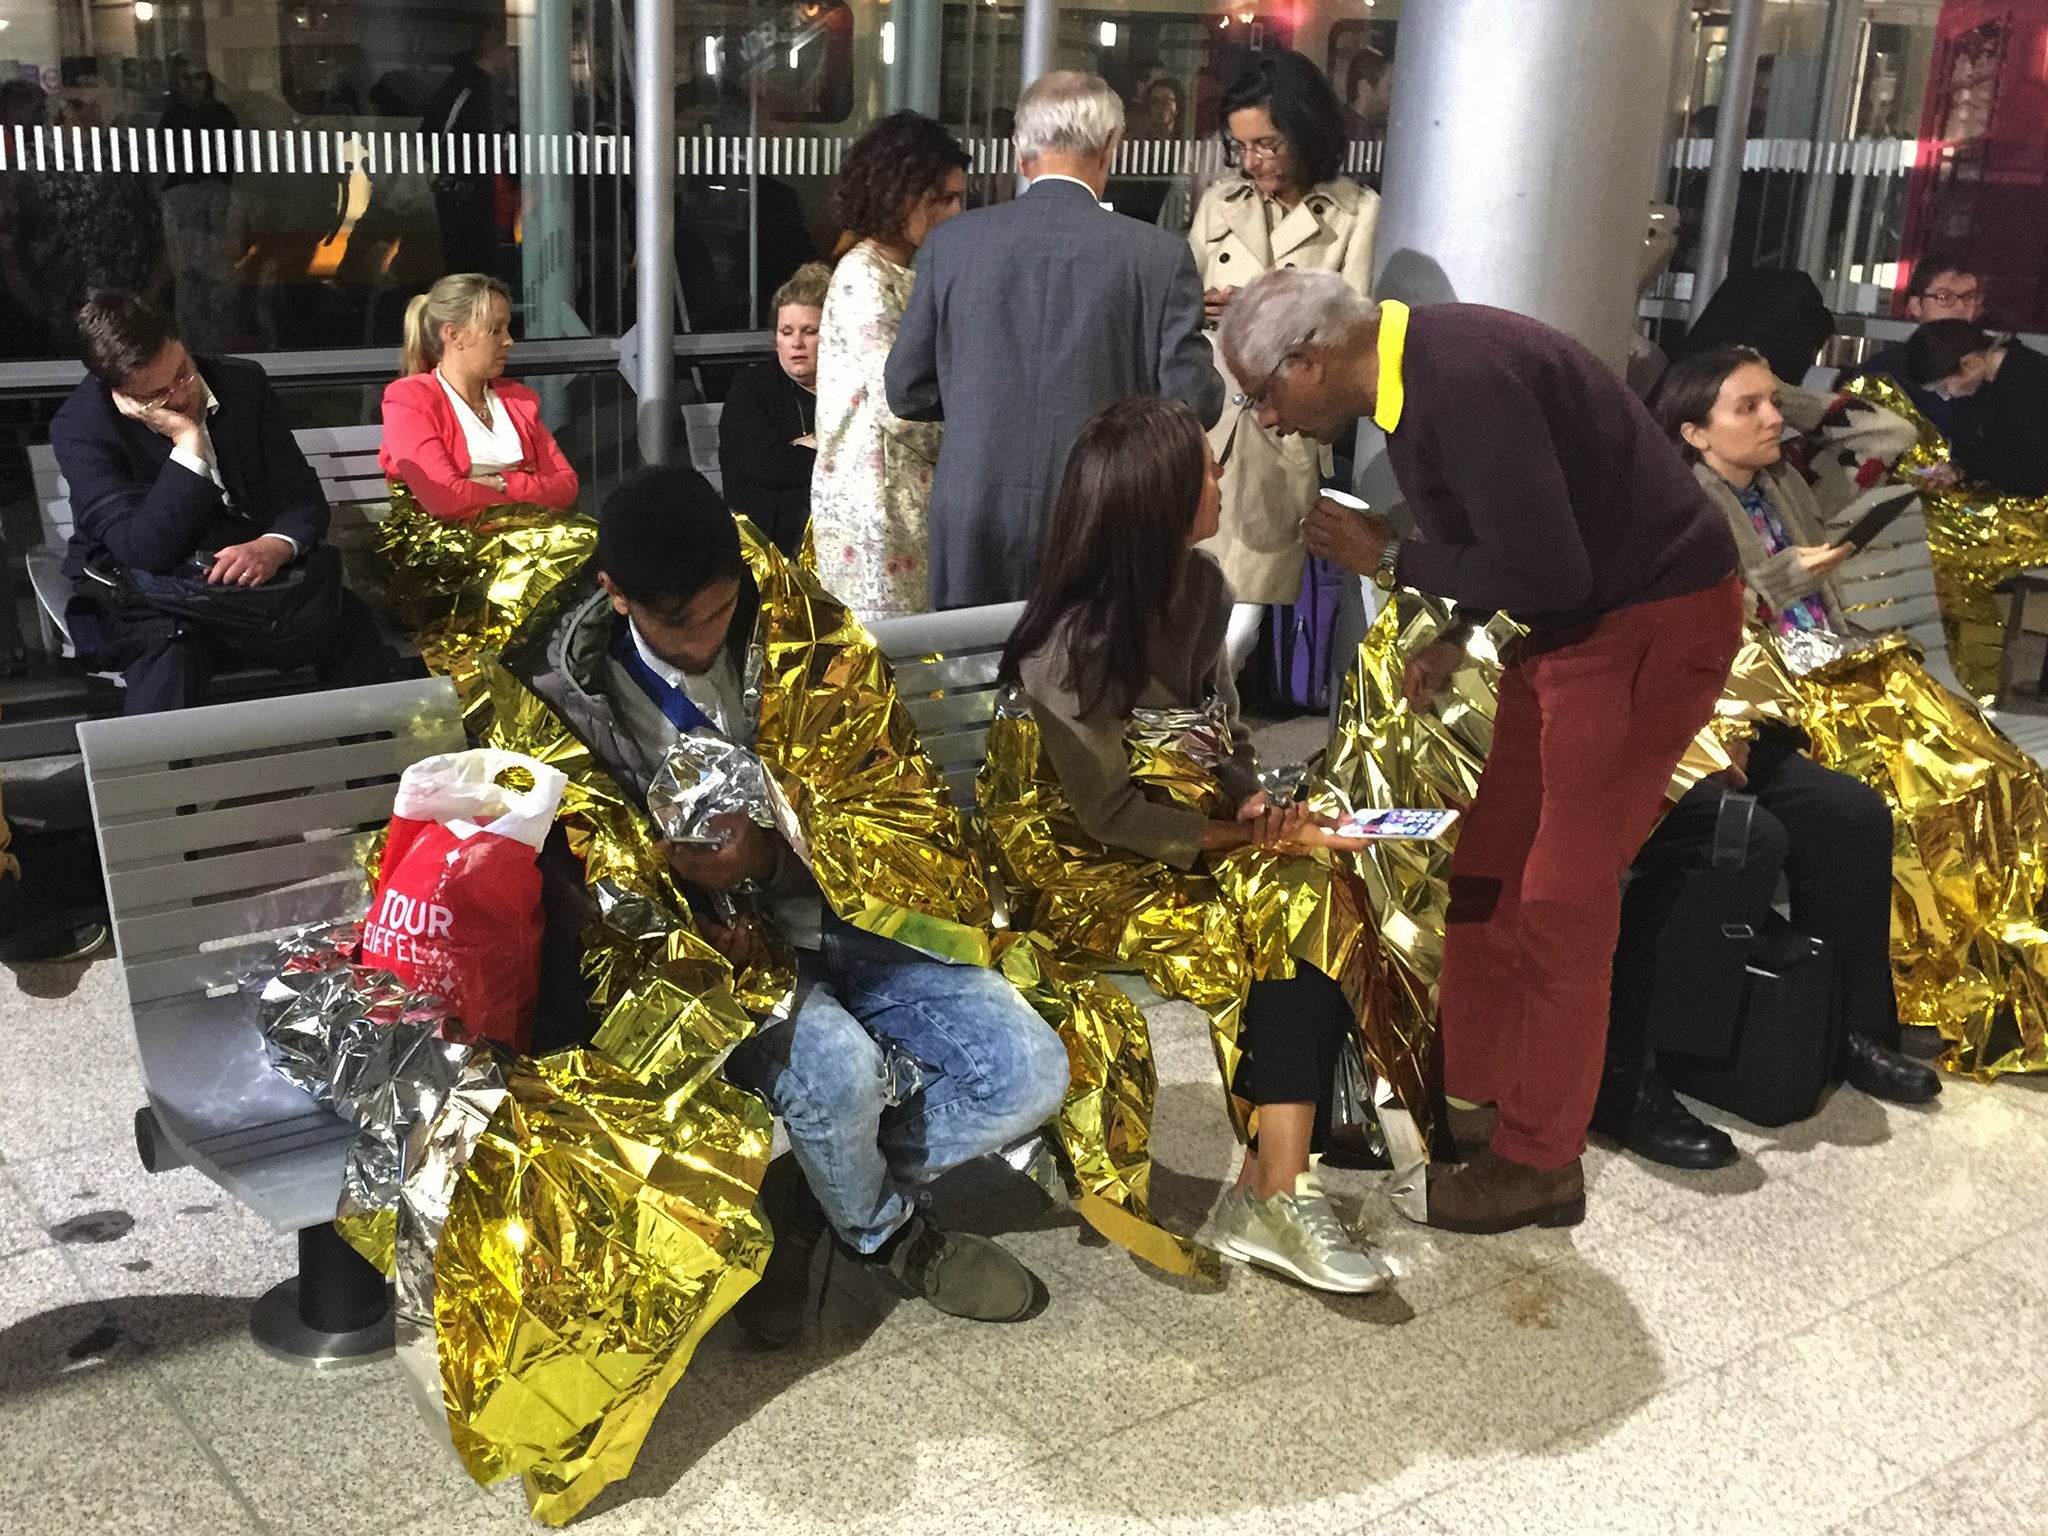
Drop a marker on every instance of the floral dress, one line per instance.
(874, 472)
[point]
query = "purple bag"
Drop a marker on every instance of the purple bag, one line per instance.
(1303, 632)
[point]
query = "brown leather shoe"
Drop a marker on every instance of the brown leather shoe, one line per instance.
(1491, 1194)
(1471, 1129)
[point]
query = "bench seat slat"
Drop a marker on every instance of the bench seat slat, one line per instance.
(953, 709)
(265, 725)
(152, 885)
(149, 936)
(976, 669)
(138, 842)
(141, 792)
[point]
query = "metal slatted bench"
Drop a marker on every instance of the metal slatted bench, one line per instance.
(700, 431)
(219, 827)
(945, 666)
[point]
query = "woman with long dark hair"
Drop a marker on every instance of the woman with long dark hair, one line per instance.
(1289, 205)
(1127, 621)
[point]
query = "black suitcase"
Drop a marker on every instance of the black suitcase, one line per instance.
(1788, 1036)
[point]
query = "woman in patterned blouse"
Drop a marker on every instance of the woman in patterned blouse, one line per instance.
(901, 179)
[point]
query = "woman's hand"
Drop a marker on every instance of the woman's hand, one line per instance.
(1215, 301)
(1321, 832)
(490, 478)
(1946, 476)
(1820, 561)
(1270, 825)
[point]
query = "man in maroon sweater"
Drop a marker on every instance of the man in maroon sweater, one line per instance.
(1540, 487)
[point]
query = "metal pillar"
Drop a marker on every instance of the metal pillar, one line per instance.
(654, 218)
(1503, 189)
(547, 254)
(1843, 45)
(1041, 39)
(1731, 142)
(920, 40)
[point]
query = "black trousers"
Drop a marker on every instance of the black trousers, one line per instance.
(1292, 1033)
(1831, 839)
(171, 666)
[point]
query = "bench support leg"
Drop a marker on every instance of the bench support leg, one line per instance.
(336, 1311)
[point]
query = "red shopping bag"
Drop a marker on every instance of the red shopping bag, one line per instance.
(457, 909)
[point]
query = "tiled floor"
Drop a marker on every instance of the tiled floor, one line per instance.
(1848, 1332)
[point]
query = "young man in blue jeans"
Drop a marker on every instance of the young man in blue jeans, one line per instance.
(892, 1066)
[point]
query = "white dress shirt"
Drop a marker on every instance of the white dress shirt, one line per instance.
(1077, 181)
(207, 463)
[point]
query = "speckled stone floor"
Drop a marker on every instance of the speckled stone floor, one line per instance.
(1847, 1332)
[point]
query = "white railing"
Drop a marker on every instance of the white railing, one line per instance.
(382, 152)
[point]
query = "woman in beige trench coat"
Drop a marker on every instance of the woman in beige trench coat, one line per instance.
(1290, 205)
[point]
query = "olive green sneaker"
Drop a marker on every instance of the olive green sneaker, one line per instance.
(1299, 1234)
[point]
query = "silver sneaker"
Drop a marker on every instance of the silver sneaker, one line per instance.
(1227, 1221)
(1300, 1235)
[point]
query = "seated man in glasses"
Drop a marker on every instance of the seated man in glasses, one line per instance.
(198, 531)
(1936, 291)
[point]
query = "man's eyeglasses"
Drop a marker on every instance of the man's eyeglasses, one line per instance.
(1250, 403)
(1271, 147)
(1947, 296)
(163, 397)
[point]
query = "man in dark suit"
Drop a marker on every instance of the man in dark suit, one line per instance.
(184, 467)
(1026, 319)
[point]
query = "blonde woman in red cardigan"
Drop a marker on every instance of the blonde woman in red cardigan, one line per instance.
(459, 436)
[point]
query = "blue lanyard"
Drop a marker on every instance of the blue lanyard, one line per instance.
(684, 715)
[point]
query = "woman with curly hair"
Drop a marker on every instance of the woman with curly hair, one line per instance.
(901, 179)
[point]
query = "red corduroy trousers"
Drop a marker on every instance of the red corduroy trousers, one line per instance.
(1584, 742)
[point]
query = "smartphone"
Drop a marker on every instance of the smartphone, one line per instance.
(1404, 824)
(1345, 500)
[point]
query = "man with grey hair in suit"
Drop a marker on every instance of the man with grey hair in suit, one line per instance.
(1027, 318)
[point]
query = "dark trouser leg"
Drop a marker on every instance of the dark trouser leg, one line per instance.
(172, 675)
(354, 655)
(1683, 841)
(1293, 1031)
(1840, 873)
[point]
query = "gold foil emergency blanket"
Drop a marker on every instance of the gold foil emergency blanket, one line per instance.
(861, 800)
(1969, 851)
(1977, 538)
(461, 588)
(1105, 1122)
(609, 1222)
(1760, 691)
(1385, 752)
(599, 1226)
(1201, 936)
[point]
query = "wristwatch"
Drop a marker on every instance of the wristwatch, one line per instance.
(1383, 573)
